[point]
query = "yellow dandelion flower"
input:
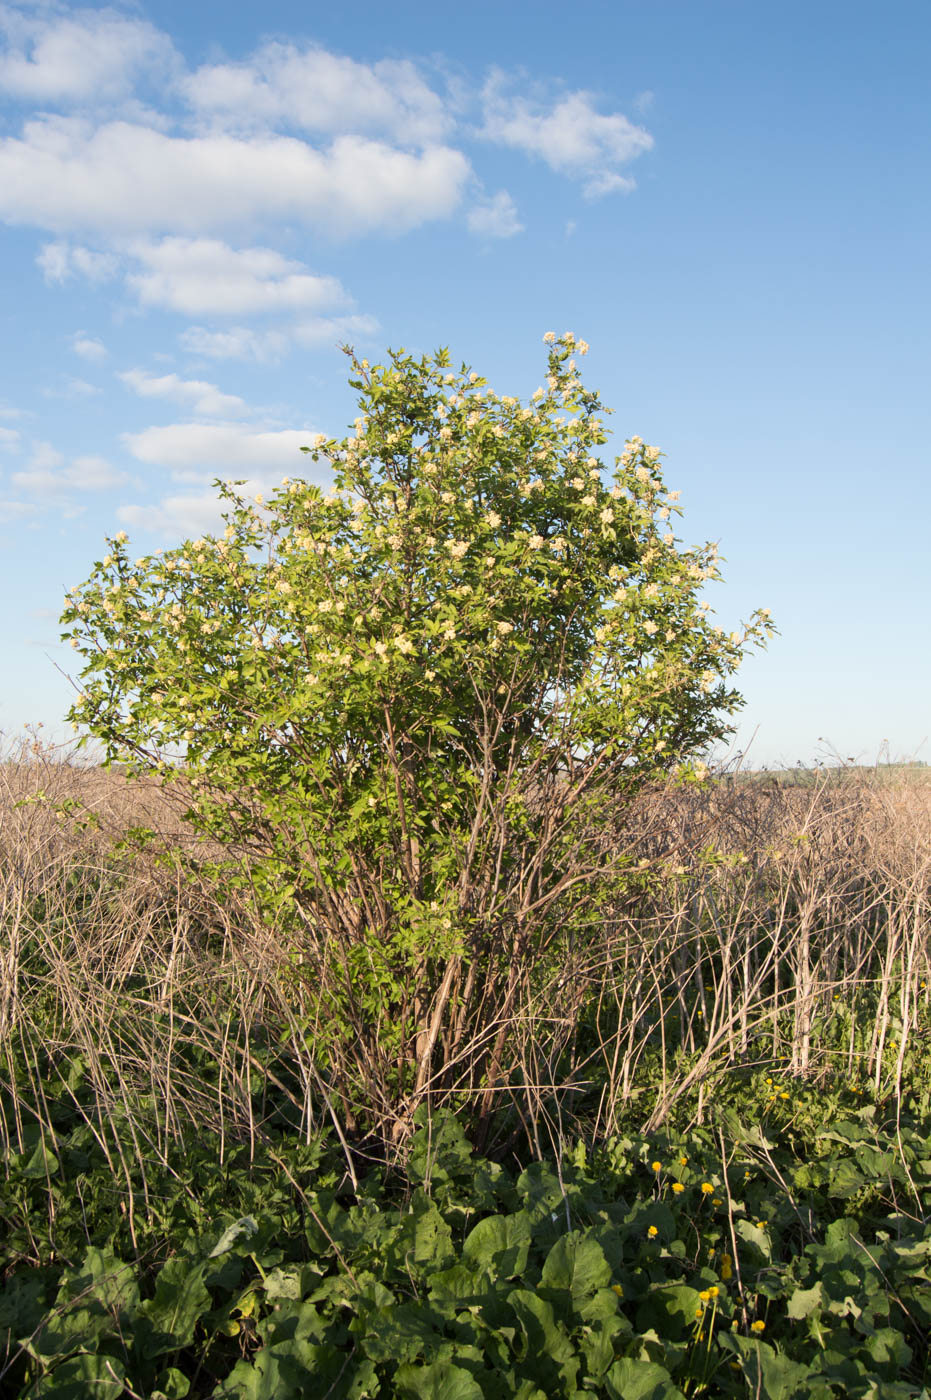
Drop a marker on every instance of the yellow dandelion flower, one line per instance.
(707, 1188)
(727, 1267)
(677, 1187)
(656, 1166)
(716, 1201)
(705, 1295)
(683, 1161)
(652, 1232)
(714, 1291)
(758, 1326)
(784, 1096)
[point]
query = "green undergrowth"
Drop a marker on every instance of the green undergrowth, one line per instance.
(782, 1250)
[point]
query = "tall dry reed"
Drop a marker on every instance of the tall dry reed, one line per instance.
(762, 923)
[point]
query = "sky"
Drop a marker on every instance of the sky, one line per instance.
(728, 199)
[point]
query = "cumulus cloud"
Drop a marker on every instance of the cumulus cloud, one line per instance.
(220, 449)
(61, 261)
(81, 56)
(203, 399)
(236, 343)
(87, 347)
(495, 217)
(122, 178)
(176, 517)
(47, 474)
(204, 276)
(312, 90)
(15, 510)
(264, 346)
(569, 135)
(190, 513)
(72, 388)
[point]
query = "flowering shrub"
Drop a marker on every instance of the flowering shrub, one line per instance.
(402, 706)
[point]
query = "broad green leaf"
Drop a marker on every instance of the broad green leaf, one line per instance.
(460, 1285)
(22, 1304)
(754, 1235)
(805, 1301)
(167, 1321)
(283, 1283)
(41, 1164)
(82, 1377)
(246, 1228)
(500, 1243)
(577, 1264)
(544, 1335)
(402, 1333)
(631, 1379)
(670, 1309)
(172, 1384)
(91, 1301)
(440, 1381)
(769, 1373)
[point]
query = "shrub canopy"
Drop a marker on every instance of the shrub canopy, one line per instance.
(401, 701)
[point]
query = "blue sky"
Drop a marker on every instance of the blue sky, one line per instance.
(729, 201)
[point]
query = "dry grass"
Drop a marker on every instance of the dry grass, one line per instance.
(764, 922)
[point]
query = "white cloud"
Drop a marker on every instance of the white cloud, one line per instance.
(122, 178)
(495, 217)
(84, 56)
(244, 343)
(333, 330)
(312, 90)
(15, 510)
(570, 136)
(44, 457)
(220, 448)
(73, 388)
(201, 398)
(46, 475)
(60, 261)
(177, 517)
(237, 343)
(9, 440)
(87, 347)
(186, 514)
(202, 276)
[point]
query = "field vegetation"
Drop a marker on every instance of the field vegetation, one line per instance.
(706, 1171)
(405, 1010)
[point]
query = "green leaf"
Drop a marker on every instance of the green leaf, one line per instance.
(41, 1164)
(577, 1264)
(82, 1377)
(22, 1304)
(172, 1384)
(246, 1228)
(501, 1244)
(768, 1373)
(167, 1321)
(632, 1379)
(544, 1336)
(283, 1283)
(754, 1235)
(670, 1309)
(805, 1301)
(440, 1381)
